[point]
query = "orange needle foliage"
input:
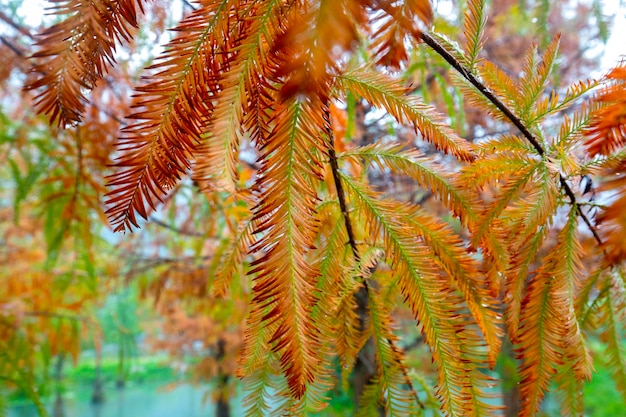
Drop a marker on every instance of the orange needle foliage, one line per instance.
(327, 260)
(607, 130)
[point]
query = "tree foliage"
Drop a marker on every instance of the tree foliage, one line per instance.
(309, 262)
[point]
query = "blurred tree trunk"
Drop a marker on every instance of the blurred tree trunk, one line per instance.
(510, 387)
(97, 396)
(222, 407)
(59, 406)
(365, 368)
(121, 356)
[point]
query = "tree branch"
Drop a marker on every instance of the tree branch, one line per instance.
(9, 21)
(342, 198)
(469, 76)
(174, 229)
(54, 315)
(17, 51)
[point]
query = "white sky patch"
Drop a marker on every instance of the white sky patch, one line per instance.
(443, 7)
(33, 12)
(616, 45)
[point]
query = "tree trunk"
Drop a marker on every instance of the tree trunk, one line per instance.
(365, 368)
(121, 355)
(59, 406)
(97, 396)
(222, 406)
(510, 388)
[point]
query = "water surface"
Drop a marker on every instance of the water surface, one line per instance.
(146, 400)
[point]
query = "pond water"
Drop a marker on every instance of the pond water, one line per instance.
(146, 400)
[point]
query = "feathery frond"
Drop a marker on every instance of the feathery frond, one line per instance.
(391, 369)
(253, 88)
(473, 28)
(549, 327)
(572, 128)
(553, 104)
(261, 386)
(370, 401)
(517, 275)
(427, 174)
(502, 84)
(535, 76)
(526, 200)
(607, 131)
(450, 46)
(449, 252)
(570, 391)
(430, 296)
(476, 99)
(395, 22)
(514, 187)
(352, 329)
(76, 53)
(613, 318)
(284, 278)
(174, 108)
(215, 165)
(231, 262)
(314, 39)
(384, 92)
(536, 207)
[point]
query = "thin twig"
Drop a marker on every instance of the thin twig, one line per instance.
(417, 342)
(188, 4)
(469, 76)
(17, 51)
(53, 315)
(341, 196)
(174, 229)
(9, 21)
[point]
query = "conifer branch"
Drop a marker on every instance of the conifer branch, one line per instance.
(341, 196)
(469, 76)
